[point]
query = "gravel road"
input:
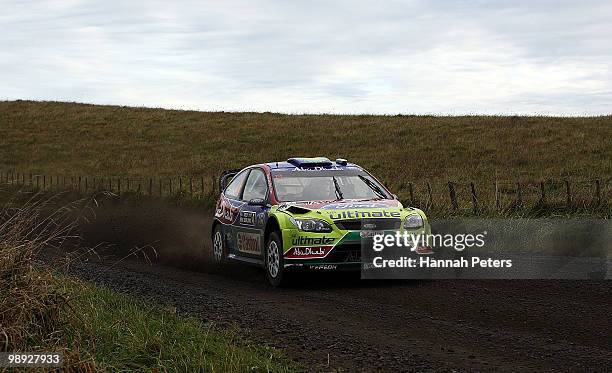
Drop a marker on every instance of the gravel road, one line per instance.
(339, 322)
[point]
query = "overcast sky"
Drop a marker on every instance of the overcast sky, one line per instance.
(440, 57)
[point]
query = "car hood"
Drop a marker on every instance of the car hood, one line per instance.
(335, 209)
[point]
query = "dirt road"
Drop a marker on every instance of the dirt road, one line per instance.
(343, 323)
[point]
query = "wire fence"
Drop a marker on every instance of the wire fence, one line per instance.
(179, 186)
(499, 196)
(466, 197)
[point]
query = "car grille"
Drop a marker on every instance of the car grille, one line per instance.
(345, 252)
(377, 224)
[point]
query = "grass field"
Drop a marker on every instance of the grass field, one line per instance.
(111, 141)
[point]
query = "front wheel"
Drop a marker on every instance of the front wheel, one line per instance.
(274, 260)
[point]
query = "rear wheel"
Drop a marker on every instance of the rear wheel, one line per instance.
(218, 246)
(274, 260)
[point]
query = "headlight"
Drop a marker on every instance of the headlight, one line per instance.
(311, 225)
(413, 222)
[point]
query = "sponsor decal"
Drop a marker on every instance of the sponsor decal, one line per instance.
(247, 218)
(353, 256)
(248, 242)
(323, 267)
(314, 252)
(312, 241)
(261, 219)
(355, 205)
(370, 234)
(364, 214)
(318, 168)
(226, 212)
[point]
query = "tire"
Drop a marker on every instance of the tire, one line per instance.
(219, 249)
(274, 262)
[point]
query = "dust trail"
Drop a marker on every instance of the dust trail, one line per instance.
(169, 234)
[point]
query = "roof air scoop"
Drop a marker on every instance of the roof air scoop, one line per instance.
(310, 162)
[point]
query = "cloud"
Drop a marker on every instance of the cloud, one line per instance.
(448, 57)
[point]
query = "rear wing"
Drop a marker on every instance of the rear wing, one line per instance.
(226, 177)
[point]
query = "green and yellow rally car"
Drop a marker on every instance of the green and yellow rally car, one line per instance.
(305, 214)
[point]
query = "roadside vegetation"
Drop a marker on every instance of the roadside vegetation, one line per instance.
(95, 328)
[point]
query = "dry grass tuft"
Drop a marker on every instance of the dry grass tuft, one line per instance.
(30, 304)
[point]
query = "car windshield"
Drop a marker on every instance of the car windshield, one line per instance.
(294, 186)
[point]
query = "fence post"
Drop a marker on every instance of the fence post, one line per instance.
(191, 186)
(453, 195)
(139, 181)
(202, 185)
(569, 193)
(519, 195)
(429, 196)
(497, 196)
(474, 199)
(118, 186)
(44, 182)
(161, 193)
(170, 185)
(543, 191)
(150, 186)
(598, 192)
(411, 193)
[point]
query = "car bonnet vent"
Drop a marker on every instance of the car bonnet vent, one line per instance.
(298, 210)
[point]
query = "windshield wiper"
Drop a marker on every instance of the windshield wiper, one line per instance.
(374, 187)
(338, 191)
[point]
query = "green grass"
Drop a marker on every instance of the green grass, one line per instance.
(109, 141)
(114, 332)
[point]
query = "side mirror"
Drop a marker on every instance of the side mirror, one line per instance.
(257, 202)
(394, 196)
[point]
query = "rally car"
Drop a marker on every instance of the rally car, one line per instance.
(304, 214)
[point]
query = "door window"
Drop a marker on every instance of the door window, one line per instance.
(256, 186)
(235, 186)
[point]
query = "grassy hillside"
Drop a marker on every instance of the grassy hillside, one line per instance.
(87, 139)
(80, 140)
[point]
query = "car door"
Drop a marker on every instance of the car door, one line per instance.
(229, 210)
(253, 215)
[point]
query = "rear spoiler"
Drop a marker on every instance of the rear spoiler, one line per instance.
(226, 176)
